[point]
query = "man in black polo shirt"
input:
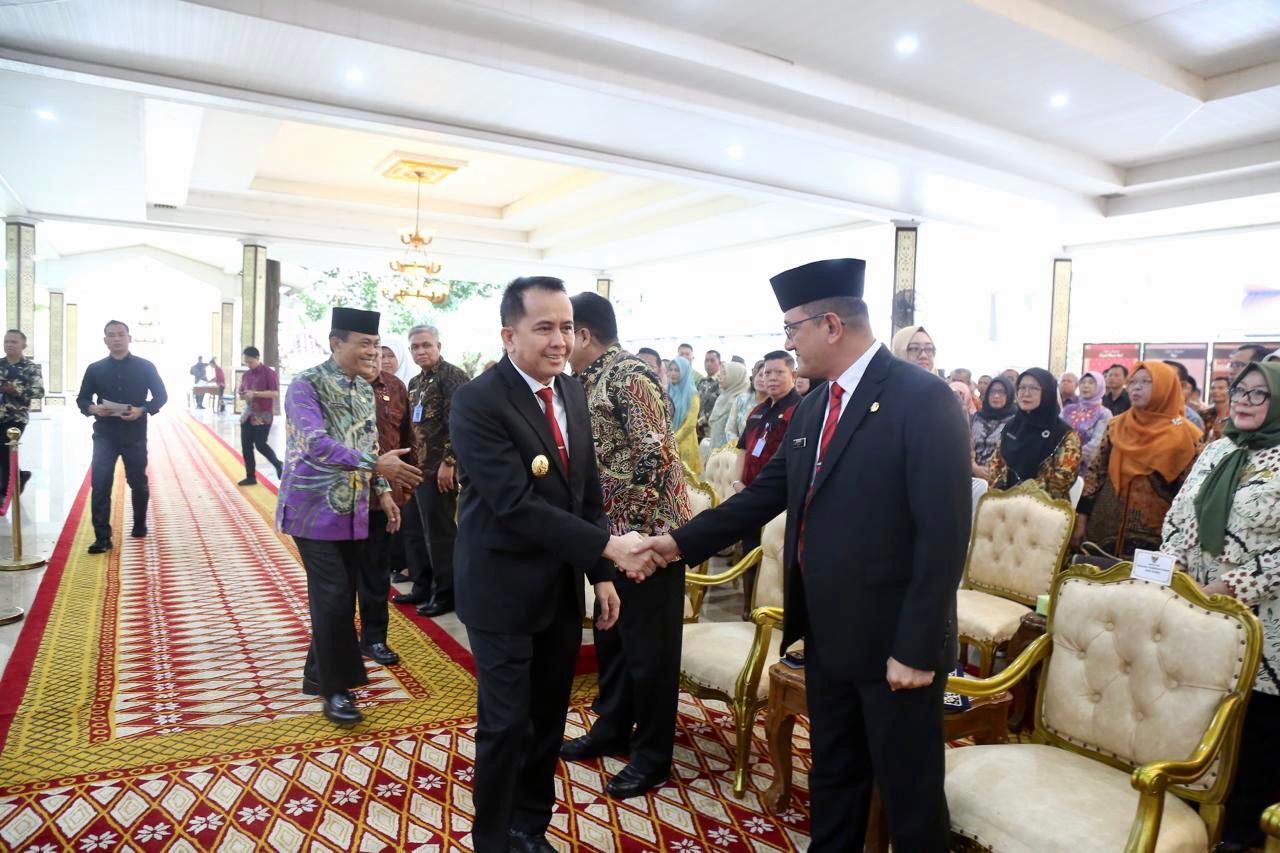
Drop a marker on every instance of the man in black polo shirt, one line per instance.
(115, 392)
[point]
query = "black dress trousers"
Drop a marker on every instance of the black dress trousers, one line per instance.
(862, 734)
(439, 520)
(639, 666)
(255, 436)
(375, 581)
(107, 448)
(413, 536)
(333, 570)
(523, 686)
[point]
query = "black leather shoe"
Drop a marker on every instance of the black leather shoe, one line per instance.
(436, 607)
(341, 708)
(631, 782)
(400, 577)
(527, 842)
(381, 653)
(312, 688)
(102, 546)
(139, 531)
(248, 481)
(588, 747)
(410, 597)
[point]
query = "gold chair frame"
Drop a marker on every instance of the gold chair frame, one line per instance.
(1271, 826)
(695, 591)
(1221, 738)
(744, 703)
(987, 649)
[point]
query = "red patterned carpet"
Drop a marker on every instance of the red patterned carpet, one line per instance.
(152, 703)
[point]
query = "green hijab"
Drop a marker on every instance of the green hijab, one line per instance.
(1213, 503)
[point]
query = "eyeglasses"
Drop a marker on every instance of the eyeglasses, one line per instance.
(790, 329)
(1029, 389)
(1250, 396)
(922, 349)
(1236, 366)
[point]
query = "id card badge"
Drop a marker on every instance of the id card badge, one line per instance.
(417, 413)
(1152, 566)
(759, 448)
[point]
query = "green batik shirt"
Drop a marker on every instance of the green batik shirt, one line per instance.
(26, 378)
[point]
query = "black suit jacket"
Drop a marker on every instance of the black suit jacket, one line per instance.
(523, 540)
(887, 526)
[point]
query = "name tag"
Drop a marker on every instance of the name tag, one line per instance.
(759, 448)
(1152, 566)
(417, 413)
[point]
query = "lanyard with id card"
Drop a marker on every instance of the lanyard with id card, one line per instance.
(761, 441)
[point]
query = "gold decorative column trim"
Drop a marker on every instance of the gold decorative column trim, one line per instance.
(53, 382)
(253, 291)
(20, 278)
(73, 347)
(215, 336)
(904, 274)
(604, 286)
(1060, 316)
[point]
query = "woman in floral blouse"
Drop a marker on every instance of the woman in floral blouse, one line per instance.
(1037, 444)
(1224, 529)
(985, 426)
(1145, 455)
(1088, 417)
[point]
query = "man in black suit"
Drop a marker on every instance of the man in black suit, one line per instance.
(531, 524)
(874, 476)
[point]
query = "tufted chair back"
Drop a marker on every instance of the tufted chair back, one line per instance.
(1137, 669)
(718, 471)
(1018, 541)
(701, 497)
(769, 580)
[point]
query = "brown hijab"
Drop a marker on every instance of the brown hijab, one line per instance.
(1155, 439)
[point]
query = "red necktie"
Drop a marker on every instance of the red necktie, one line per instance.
(544, 394)
(828, 430)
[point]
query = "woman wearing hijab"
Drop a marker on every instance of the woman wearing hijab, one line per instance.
(985, 426)
(915, 345)
(684, 400)
(1037, 445)
(1088, 417)
(964, 396)
(733, 383)
(1145, 455)
(1224, 530)
(745, 402)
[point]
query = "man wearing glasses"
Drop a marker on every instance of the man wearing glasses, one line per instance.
(1245, 356)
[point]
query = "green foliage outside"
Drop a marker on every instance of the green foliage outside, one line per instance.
(362, 290)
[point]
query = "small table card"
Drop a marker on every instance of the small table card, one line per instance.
(1153, 566)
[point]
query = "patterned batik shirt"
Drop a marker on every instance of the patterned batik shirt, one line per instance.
(640, 471)
(330, 456)
(708, 392)
(26, 379)
(1250, 558)
(430, 398)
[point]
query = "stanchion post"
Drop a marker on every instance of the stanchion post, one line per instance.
(9, 610)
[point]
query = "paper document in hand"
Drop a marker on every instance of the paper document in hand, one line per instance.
(115, 408)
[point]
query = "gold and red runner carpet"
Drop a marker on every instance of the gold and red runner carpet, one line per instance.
(152, 703)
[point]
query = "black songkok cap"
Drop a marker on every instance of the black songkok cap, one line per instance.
(819, 280)
(355, 320)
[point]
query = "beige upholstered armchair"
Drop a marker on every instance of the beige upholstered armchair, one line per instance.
(724, 660)
(1019, 539)
(719, 470)
(1271, 826)
(1141, 698)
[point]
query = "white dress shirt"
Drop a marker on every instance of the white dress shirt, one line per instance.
(849, 382)
(534, 387)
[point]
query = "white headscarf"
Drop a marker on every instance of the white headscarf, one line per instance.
(407, 369)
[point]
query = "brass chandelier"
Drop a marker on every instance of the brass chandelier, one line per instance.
(415, 269)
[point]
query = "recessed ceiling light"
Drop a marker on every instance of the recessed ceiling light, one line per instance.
(737, 152)
(1059, 100)
(354, 75)
(46, 114)
(907, 45)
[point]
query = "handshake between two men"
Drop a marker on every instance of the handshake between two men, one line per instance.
(637, 557)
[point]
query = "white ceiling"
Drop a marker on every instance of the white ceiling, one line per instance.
(605, 133)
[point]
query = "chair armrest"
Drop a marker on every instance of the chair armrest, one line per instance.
(1271, 826)
(749, 676)
(1156, 776)
(1012, 674)
(753, 557)
(767, 615)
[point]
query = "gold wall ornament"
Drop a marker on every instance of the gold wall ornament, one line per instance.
(540, 466)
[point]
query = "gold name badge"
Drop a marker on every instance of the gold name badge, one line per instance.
(875, 407)
(540, 466)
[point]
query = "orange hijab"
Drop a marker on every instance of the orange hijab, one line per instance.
(1158, 438)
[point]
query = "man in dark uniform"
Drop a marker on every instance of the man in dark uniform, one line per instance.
(531, 524)
(119, 391)
(874, 476)
(20, 384)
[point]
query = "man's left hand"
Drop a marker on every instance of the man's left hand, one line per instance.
(610, 605)
(392, 512)
(902, 677)
(132, 413)
(445, 480)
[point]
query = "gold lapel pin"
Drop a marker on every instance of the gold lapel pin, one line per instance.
(875, 407)
(540, 466)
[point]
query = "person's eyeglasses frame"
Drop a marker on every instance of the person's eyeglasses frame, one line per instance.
(1246, 396)
(790, 329)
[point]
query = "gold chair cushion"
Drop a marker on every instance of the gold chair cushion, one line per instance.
(769, 579)
(1137, 671)
(988, 618)
(714, 654)
(718, 471)
(1017, 544)
(1040, 799)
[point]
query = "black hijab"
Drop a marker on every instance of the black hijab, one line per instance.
(1032, 437)
(992, 414)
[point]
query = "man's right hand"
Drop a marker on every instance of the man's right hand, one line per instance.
(629, 555)
(663, 548)
(395, 469)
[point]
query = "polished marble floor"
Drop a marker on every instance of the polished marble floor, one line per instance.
(57, 449)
